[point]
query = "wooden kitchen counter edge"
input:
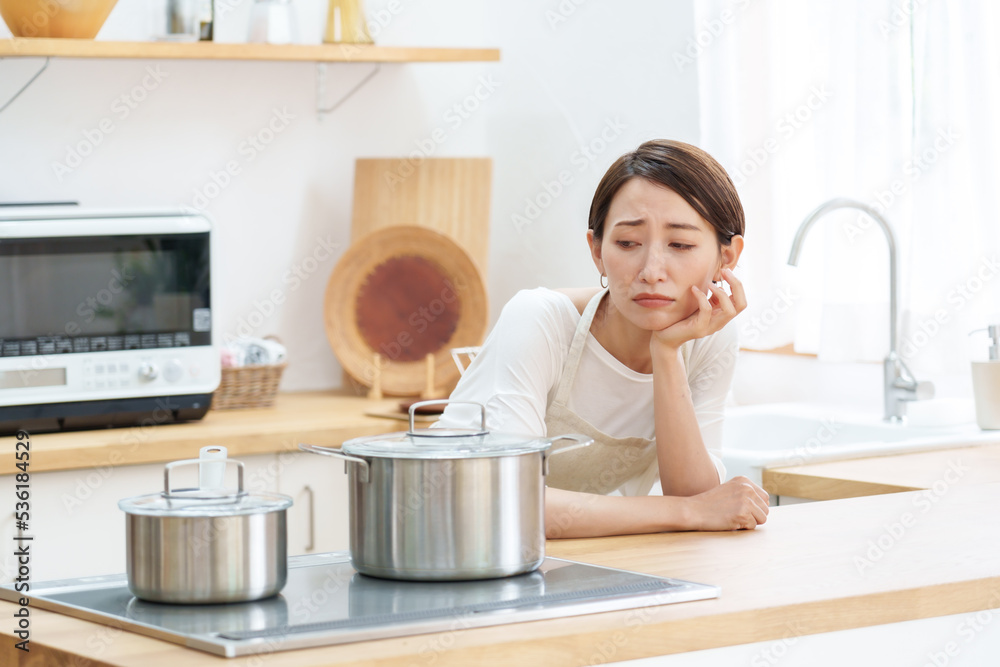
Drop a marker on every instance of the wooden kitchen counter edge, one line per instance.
(321, 418)
(812, 568)
(894, 473)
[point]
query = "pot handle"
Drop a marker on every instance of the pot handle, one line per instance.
(183, 462)
(580, 440)
(336, 453)
(445, 401)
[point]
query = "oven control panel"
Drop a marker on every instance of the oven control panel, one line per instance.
(105, 375)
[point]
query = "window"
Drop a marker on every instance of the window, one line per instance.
(892, 103)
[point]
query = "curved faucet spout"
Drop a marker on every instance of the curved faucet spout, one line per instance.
(890, 237)
(899, 384)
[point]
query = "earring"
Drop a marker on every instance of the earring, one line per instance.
(717, 283)
(604, 285)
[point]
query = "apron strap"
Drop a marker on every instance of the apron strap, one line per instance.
(576, 348)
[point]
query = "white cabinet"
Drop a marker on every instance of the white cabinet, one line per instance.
(318, 521)
(77, 527)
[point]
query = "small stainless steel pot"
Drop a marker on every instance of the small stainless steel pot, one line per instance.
(202, 546)
(447, 504)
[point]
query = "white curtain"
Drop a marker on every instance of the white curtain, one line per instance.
(886, 102)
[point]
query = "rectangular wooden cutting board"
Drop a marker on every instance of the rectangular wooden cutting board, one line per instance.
(448, 195)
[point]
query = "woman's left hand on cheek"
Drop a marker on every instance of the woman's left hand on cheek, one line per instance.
(713, 313)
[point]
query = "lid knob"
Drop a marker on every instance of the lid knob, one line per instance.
(212, 468)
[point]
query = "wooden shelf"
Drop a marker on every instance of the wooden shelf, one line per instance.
(364, 53)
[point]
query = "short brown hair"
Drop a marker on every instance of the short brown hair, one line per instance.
(687, 170)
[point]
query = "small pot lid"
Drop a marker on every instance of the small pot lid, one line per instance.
(442, 443)
(199, 503)
(212, 499)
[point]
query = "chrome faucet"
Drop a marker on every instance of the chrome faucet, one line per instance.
(900, 386)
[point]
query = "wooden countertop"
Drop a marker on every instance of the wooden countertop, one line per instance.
(319, 418)
(811, 568)
(886, 474)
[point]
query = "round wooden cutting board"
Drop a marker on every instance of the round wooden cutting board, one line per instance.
(404, 292)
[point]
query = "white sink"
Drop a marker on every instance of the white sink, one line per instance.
(779, 434)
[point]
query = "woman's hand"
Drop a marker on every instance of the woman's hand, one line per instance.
(739, 504)
(713, 313)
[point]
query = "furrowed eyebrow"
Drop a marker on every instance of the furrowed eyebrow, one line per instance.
(671, 225)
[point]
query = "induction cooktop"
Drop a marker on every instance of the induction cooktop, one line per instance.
(327, 602)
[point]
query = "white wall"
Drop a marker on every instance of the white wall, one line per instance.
(570, 70)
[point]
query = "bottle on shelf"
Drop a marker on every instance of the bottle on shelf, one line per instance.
(184, 20)
(345, 23)
(205, 19)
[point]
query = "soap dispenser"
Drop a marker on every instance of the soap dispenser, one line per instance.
(986, 382)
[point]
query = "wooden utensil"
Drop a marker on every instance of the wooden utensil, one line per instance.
(404, 292)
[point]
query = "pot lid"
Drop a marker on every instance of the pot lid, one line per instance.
(446, 443)
(442, 443)
(211, 499)
(198, 503)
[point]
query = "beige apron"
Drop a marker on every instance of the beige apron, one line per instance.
(608, 463)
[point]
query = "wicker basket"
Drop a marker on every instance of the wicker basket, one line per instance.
(248, 387)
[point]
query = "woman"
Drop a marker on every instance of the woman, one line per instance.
(642, 365)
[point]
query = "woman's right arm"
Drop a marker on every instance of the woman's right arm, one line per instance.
(735, 505)
(513, 374)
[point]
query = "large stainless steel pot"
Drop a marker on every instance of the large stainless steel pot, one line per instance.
(206, 545)
(445, 504)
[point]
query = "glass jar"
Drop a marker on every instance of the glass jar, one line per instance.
(183, 20)
(273, 22)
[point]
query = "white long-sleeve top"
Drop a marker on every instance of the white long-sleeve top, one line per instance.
(516, 374)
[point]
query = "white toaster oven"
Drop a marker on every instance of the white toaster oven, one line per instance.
(105, 318)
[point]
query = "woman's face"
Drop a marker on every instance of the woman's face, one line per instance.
(655, 247)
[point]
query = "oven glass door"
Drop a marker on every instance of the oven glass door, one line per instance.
(104, 293)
